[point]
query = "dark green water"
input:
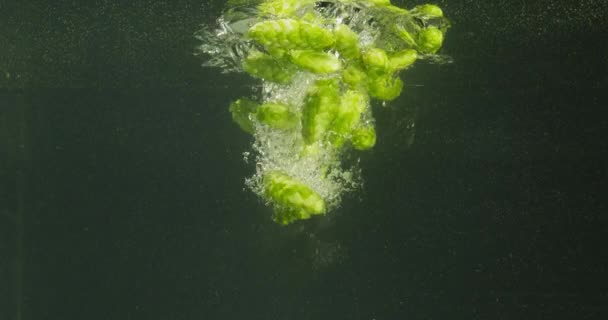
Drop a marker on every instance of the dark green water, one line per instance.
(121, 176)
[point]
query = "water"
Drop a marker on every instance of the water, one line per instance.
(121, 176)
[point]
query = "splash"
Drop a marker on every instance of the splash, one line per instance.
(321, 64)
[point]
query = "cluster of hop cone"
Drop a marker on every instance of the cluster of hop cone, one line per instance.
(351, 51)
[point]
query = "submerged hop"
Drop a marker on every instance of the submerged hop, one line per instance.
(287, 34)
(314, 61)
(294, 199)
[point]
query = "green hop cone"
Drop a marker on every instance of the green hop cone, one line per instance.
(287, 34)
(402, 59)
(380, 2)
(316, 37)
(375, 59)
(282, 8)
(430, 40)
(385, 87)
(317, 62)
(348, 115)
(242, 110)
(347, 42)
(293, 199)
(276, 116)
(319, 110)
(353, 75)
(265, 67)
(364, 138)
(427, 11)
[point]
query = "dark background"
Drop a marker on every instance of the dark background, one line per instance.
(121, 176)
